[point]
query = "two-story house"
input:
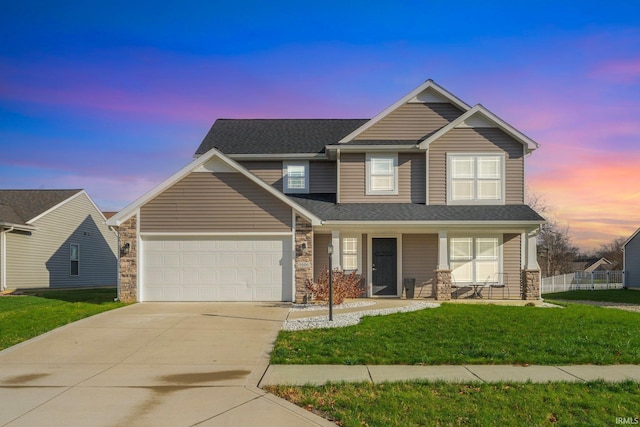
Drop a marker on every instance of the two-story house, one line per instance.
(431, 189)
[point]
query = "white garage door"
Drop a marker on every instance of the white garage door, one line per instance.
(217, 269)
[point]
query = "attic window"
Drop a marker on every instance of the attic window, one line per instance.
(296, 177)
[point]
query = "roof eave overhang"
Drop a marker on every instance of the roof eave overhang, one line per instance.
(451, 224)
(281, 156)
(369, 148)
(20, 227)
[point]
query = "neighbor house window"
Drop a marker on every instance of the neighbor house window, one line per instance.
(474, 259)
(350, 253)
(296, 177)
(74, 259)
(382, 174)
(475, 179)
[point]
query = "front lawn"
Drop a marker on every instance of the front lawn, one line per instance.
(611, 295)
(441, 404)
(26, 316)
(472, 334)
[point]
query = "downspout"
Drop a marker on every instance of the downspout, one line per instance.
(3, 257)
(117, 298)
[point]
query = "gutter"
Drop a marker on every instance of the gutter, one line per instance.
(3, 256)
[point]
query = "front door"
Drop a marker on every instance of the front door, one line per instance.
(385, 273)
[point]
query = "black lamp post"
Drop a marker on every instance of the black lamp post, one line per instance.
(330, 251)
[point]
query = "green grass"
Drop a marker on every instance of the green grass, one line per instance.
(472, 334)
(24, 317)
(441, 404)
(611, 295)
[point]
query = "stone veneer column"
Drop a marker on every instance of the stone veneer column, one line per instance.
(530, 285)
(304, 257)
(129, 262)
(442, 285)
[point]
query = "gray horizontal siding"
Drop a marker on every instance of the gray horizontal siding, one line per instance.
(485, 140)
(41, 258)
(215, 202)
(320, 255)
(632, 263)
(420, 260)
(511, 265)
(412, 121)
(411, 179)
(322, 177)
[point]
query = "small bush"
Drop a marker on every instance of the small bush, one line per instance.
(344, 286)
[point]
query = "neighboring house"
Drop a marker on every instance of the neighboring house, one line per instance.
(54, 239)
(431, 189)
(631, 250)
(589, 265)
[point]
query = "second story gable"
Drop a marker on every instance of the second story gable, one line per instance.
(427, 148)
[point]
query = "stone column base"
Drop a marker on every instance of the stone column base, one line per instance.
(530, 285)
(442, 285)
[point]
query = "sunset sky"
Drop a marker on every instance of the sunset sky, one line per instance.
(114, 97)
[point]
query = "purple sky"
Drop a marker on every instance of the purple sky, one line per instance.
(116, 98)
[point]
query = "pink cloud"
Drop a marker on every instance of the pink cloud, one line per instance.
(621, 70)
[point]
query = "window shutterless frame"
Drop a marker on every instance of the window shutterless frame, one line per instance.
(295, 177)
(382, 174)
(74, 259)
(475, 179)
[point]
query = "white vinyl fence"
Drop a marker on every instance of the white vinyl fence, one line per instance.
(582, 281)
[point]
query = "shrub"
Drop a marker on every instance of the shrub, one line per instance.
(344, 286)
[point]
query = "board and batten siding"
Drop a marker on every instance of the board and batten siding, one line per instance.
(411, 179)
(476, 141)
(215, 202)
(41, 258)
(322, 174)
(420, 260)
(511, 263)
(412, 121)
(632, 263)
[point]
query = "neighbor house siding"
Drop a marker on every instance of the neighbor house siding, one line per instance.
(411, 179)
(511, 263)
(215, 202)
(412, 121)
(632, 263)
(40, 258)
(479, 140)
(420, 260)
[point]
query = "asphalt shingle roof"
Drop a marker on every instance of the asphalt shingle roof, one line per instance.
(20, 206)
(324, 207)
(276, 136)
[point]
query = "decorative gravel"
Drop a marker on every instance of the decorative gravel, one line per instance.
(349, 319)
(316, 307)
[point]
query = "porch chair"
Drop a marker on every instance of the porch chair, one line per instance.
(501, 282)
(455, 285)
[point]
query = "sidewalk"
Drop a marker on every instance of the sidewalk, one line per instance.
(321, 374)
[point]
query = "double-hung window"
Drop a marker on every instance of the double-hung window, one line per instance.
(474, 259)
(382, 174)
(296, 177)
(349, 253)
(74, 259)
(475, 179)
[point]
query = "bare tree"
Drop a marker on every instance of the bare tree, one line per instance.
(613, 252)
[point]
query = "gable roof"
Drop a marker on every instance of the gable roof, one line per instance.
(275, 136)
(199, 162)
(428, 87)
(21, 207)
(631, 237)
(480, 111)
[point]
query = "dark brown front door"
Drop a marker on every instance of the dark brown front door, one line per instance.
(385, 261)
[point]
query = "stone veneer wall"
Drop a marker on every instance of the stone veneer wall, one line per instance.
(304, 257)
(442, 285)
(129, 262)
(530, 285)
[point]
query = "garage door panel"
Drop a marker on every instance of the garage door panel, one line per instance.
(217, 269)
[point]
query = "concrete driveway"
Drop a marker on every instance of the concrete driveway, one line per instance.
(150, 364)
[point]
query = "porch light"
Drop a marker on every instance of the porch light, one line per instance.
(330, 249)
(126, 248)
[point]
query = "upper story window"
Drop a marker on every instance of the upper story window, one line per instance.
(74, 259)
(382, 174)
(295, 176)
(475, 179)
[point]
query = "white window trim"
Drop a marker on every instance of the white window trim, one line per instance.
(285, 177)
(394, 157)
(71, 260)
(476, 201)
(475, 236)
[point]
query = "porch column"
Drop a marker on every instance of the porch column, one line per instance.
(442, 284)
(335, 242)
(530, 282)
